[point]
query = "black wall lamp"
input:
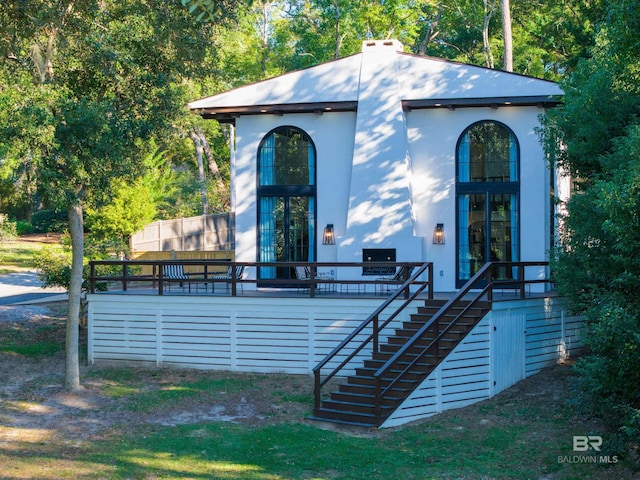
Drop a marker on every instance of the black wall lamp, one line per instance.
(438, 234)
(328, 237)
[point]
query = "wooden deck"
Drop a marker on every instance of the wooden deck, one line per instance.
(287, 330)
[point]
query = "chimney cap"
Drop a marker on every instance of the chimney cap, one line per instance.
(382, 45)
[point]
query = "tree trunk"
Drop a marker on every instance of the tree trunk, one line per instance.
(432, 31)
(197, 135)
(489, 7)
(338, 38)
(76, 230)
(213, 167)
(265, 36)
(507, 35)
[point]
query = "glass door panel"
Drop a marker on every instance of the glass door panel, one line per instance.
(471, 234)
(502, 221)
(270, 224)
(287, 232)
(487, 231)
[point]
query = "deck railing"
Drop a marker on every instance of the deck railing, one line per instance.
(150, 276)
(372, 324)
(492, 276)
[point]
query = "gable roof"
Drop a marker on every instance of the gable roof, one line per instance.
(423, 82)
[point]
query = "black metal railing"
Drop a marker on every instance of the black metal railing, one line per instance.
(480, 288)
(151, 276)
(373, 323)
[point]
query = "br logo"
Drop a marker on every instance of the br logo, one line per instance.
(582, 443)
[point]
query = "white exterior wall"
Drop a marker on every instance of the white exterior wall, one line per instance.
(386, 177)
(433, 136)
(333, 136)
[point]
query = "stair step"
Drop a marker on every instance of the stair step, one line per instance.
(429, 312)
(354, 402)
(365, 388)
(414, 375)
(343, 422)
(342, 416)
(435, 330)
(350, 407)
(423, 364)
(400, 339)
(341, 396)
(350, 388)
(365, 380)
(427, 359)
(442, 348)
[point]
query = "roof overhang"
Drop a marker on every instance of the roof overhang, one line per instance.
(229, 114)
(541, 101)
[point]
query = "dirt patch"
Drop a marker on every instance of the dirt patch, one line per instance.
(33, 400)
(41, 237)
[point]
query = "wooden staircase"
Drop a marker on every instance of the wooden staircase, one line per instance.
(407, 357)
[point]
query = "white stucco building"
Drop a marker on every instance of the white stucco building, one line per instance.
(387, 146)
(391, 157)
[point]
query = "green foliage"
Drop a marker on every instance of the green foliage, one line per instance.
(45, 221)
(8, 230)
(53, 266)
(211, 10)
(131, 208)
(24, 228)
(596, 137)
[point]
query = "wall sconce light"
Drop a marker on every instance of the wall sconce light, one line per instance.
(438, 234)
(328, 237)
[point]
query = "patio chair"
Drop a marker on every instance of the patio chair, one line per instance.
(395, 279)
(303, 274)
(175, 274)
(239, 272)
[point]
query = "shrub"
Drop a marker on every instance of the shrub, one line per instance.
(24, 228)
(7, 229)
(53, 266)
(45, 221)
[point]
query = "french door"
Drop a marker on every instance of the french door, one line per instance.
(487, 232)
(286, 233)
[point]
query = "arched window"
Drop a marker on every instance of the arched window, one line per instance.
(287, 157)
(487, 191)
(286, 200)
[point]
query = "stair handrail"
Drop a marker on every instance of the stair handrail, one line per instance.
(373, 318)
(488, 268)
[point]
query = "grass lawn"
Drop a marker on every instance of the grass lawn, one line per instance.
(17, 255)
(134, 423)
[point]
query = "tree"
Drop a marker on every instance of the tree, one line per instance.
(107, 75)
(211, 10)
(489, 10)
(131, 207)
(596, 137)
